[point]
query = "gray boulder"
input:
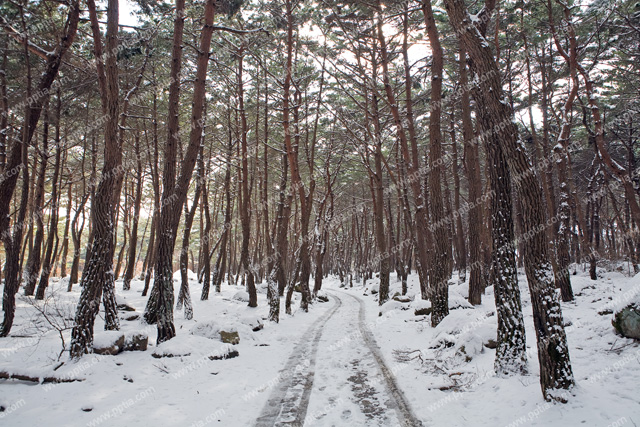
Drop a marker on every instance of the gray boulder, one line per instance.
(627, 321)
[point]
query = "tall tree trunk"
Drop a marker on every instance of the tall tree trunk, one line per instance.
(32, 269)
(496, 114)
(133, 244)
(184, 296)
(439, 271)
(97, 278)
(65, 236)
(18, 158)
(461, 246)
(472, 169)
(49, 255)
(296, 180)
(245, 199)
(273, 294)
(561, 151)
(175, 191)
(412, 160)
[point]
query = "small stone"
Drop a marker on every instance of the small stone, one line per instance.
(87, 408)
(136, 342)
(424, 311)
(493, 344)
(230, 337)
(125, 307)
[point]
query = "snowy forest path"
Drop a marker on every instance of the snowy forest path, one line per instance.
(288, 402)
(349, 384)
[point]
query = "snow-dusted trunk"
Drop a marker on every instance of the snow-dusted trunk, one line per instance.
(511, 355)
(561, 151)
(97, 278)
(441, 259)
(497, 115)
(184, 296)
(175, 190)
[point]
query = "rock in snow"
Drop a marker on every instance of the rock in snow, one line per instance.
(108, 342)
(627, 321)
(230, 337)
(114, 342)
(136, 341)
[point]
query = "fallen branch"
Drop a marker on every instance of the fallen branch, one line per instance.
(39, 380)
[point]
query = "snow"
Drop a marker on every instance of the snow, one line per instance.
(242, 296)
(444, 373)
(455, 385)
(137, 389)
(103, 339)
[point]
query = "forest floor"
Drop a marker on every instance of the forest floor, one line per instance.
(348, 362)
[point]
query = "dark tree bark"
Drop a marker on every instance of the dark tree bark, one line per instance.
(49, 255)
(32, 268)
(65, 236)
(18, 158)
(97, 277)
(184, 296)
(412, 160)
(133, 244)
(439, 270)
(461, 245)
(472, 169)
(244, 206)
(306, 198)
(175, 191)
(496, 114)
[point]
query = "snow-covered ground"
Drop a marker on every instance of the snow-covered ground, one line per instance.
(341, 364)
(454, 383)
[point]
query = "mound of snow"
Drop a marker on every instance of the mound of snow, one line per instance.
(241, 296)
(457, 301)
(190, 275)
(252, 321)
(211, 329)
(392, 305)
(186, 345)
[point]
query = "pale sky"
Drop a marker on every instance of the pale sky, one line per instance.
(126, 7)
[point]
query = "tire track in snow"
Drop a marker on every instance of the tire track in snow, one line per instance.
(398, 401)
(288, 402)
